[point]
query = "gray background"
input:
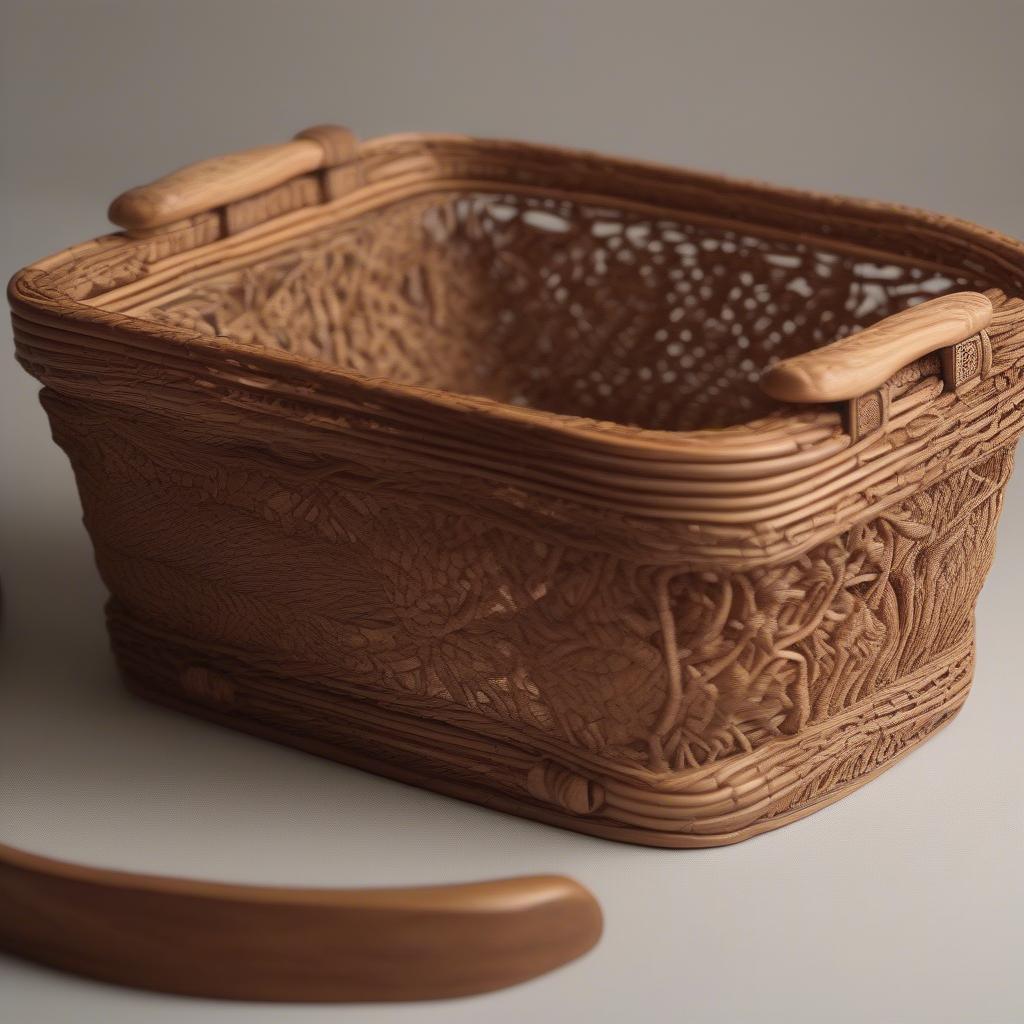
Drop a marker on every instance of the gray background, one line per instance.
(903, 902)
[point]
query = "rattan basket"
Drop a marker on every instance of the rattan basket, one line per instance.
(540, 478)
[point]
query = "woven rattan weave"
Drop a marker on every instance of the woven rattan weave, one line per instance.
(533, 476)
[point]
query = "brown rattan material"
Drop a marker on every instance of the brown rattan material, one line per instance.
(451, 459)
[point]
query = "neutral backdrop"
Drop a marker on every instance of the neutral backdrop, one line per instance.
(905, 901)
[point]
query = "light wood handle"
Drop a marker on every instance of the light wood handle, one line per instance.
(224, 179)
(865, 361)
(296, 945)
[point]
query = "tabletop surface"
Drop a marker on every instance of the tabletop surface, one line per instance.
(902, 902)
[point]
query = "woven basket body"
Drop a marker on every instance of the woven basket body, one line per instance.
(451, 460)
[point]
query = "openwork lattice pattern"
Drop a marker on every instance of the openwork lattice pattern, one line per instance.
(592, 311)
(464, 474)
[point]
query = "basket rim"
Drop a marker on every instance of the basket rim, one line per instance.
(40, 293)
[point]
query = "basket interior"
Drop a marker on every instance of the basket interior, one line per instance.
(665, 322)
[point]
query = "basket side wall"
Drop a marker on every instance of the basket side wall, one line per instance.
(342, 577)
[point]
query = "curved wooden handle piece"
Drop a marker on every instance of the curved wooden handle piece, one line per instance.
(865, 361)
(224, 179)
(296, 945)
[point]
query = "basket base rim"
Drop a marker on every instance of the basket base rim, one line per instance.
(776, 784)
(509, 805)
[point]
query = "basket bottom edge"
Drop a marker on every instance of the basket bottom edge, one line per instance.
(782, 781)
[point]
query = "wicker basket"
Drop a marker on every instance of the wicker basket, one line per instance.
(459, 461)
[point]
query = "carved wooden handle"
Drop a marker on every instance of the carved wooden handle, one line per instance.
(225, 179)
(862, 370)
(297, 945)
(863, 362)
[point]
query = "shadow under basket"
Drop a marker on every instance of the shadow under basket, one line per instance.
(637, 501)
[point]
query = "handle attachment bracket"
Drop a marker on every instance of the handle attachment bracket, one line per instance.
(861, 371)
(231, 182)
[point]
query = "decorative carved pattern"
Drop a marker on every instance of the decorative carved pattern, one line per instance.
(968, 361)
(634, 664)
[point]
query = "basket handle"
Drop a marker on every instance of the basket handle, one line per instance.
(858, 369)
(300, 945)
(225, 179)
